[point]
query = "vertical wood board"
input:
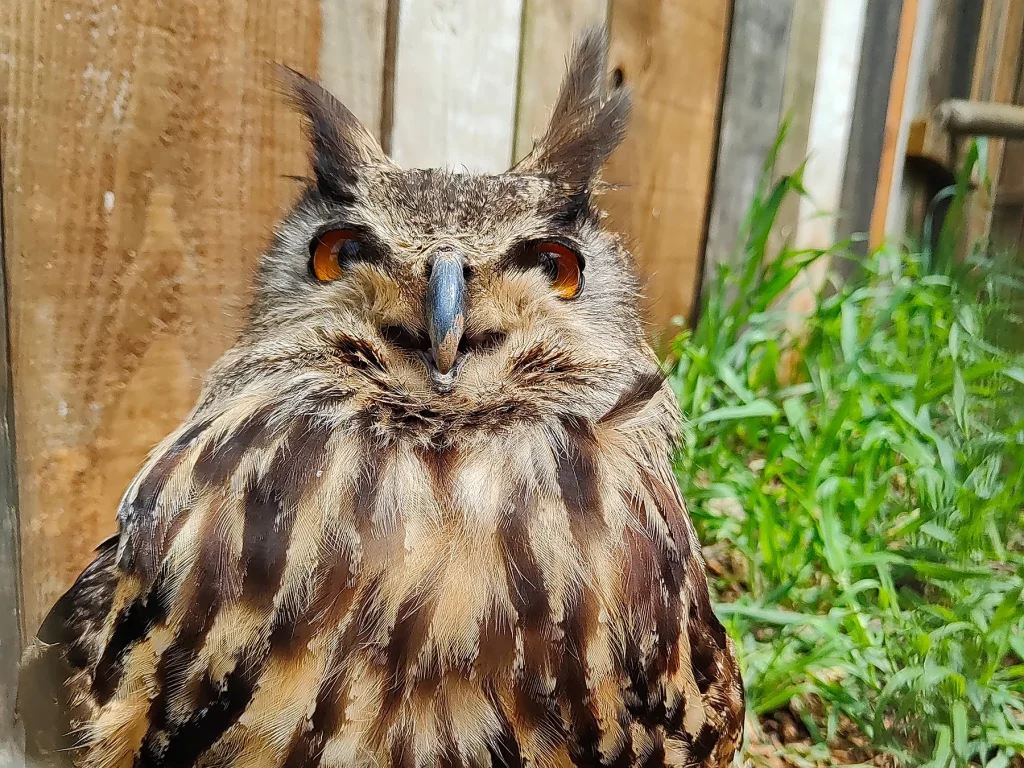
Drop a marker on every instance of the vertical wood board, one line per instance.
(950, 54)
(455, 85)
(549, 29)
(901, 194)
(10, 536)
(838, 61)
(950, 59)
(145, 161)
(798, 100)
(829, 133)
(989, 42)
(1008, 212)
(996, 78)
(352, 65)
(672, 53)
(752, 104)
(868, 122)
(894, 138)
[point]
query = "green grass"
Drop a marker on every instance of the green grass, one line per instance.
(863, 519)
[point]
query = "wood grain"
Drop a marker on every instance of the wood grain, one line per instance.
(549, 28)
(751, 110)
(352, 65)
(672, 53)
(894, 137)
(991, 33)
(875, 77)
(798, 100)
(997, 72)
(906, 179)
(1008, 212)
(145, 158)
(951, 52)
(835, 86)
(455, 83)
(942, 67)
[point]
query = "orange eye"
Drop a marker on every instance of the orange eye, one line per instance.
(563, 266)
(330, 251)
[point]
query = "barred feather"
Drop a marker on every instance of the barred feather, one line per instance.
(334, 563)
(322, 593)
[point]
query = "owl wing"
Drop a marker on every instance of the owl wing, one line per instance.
(66, 645)
(704, 726)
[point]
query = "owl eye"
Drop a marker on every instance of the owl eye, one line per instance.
(330, 251)
(563, 265)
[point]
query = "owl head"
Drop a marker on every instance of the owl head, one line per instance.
(429, 300)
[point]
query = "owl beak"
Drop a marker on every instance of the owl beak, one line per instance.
(446, 316)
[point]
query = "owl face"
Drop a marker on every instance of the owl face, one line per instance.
(470, 298)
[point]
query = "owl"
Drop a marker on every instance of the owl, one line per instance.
(423, 512)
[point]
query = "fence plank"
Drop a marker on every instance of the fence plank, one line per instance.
(758, 52)
(894, 140)
(907, 179)
(798, 99)
(996, 79)
(665, 164)
(990, 34)
(1008, 212)
(869, 120)
(951, 52)
(942, 67)
(549, 29)
(838, 61)
(145, 159)
(352, 41)
(10, 549)
(455, 83)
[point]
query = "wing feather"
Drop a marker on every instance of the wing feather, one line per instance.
(67, 645)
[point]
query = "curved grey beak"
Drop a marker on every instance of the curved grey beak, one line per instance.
(446, 311)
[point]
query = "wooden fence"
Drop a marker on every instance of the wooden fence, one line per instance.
(145, 158)
(858, 83)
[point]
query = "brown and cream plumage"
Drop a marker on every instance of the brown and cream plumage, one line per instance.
(423, 512)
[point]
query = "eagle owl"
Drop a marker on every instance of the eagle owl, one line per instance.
(422, 513)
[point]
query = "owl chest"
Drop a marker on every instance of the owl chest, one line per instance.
(471, 597)
(458, 636)
(402, 601)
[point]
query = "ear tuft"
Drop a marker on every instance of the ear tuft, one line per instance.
(586, 124)
(341, 145)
